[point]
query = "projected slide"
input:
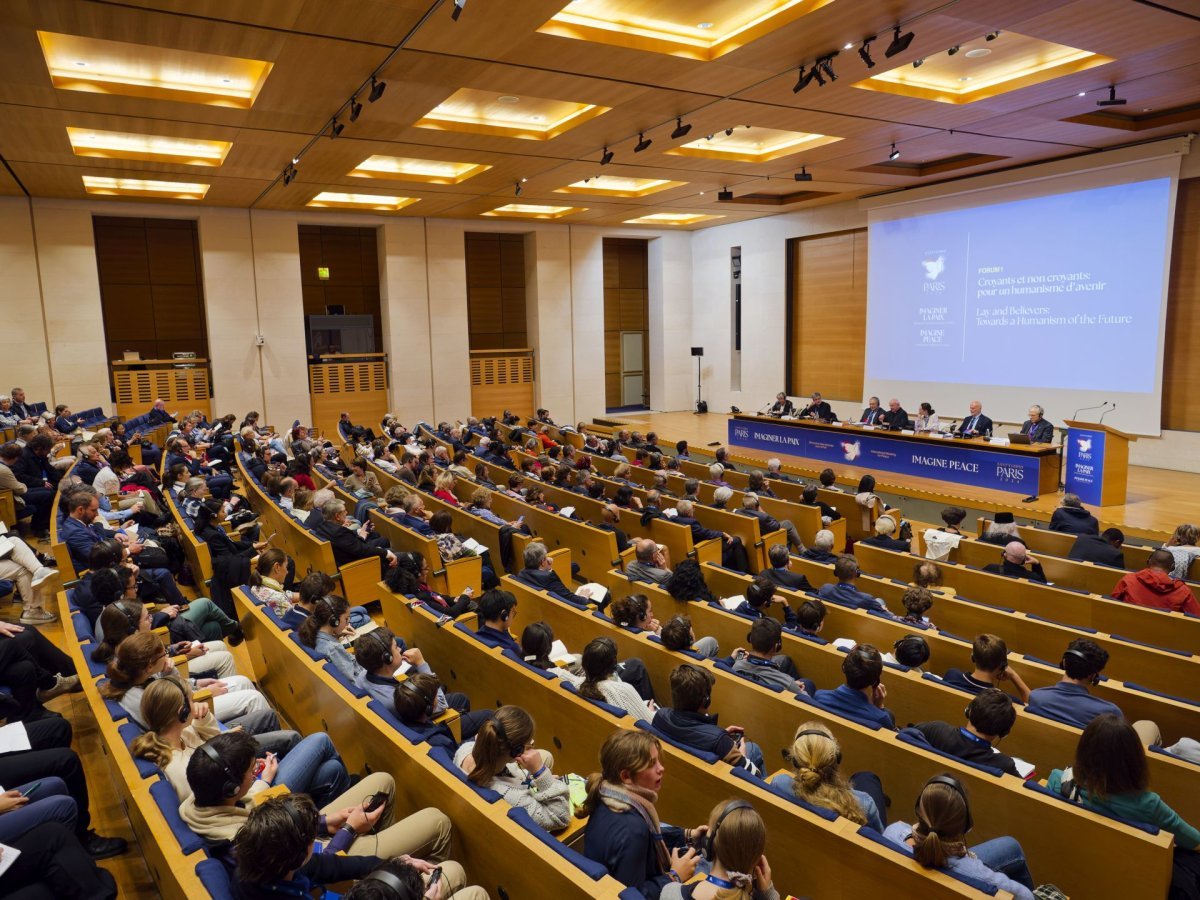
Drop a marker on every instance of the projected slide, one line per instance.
(1062, 291)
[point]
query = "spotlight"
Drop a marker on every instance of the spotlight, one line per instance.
(826, 64)
(899, 43)
(681, 130)
(606, 157)
(355, 108)
(1112, 100)
(991, 35)
(895, 154)
(802, 81)
(728, 132)
(724, 196)
(708, 137)
(815, 73)
(643, 143)
(952, 50)
(803, 175)
(517, 188)
(458, 8)
(864, 53)
(295, 160)
(336, 128)
(377, 89)
(288, 175)
(917, 63)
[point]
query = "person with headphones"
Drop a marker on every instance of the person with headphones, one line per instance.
(765, 662)
(222, 773)
(863, 695)
(502, 758)
(938, 840)
(322, 633)
(815, 757)
(990, 717)
(911, 651)
(601, 683)
(410, 577)
(418, 700)
(497, 610)
(688, 721)
(734, 847)
(176, 725)
(1069, 700)
(401, 878)
(989, 656)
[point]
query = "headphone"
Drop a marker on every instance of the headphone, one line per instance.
(134, 619)
(953, 784)
(514, 752)
(971, 707)
(428, 702)
(1079, 655)
(231, 785)
(185, 711)
(828, 737)
(390, 880)
(914, 642)
(706, 844)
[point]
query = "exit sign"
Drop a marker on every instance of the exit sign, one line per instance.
(323, 272)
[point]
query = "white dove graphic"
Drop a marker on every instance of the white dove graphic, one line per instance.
(934, 267)
(1085, 445)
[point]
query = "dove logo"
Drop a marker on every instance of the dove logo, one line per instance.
(934, 267)
(851, 450)
(1083, 445)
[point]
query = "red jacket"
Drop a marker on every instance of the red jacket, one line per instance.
(1158, 590)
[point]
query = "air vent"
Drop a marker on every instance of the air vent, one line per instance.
(930, 167)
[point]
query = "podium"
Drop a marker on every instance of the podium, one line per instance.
(1097, 463)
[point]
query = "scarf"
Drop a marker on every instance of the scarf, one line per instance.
(622, 798)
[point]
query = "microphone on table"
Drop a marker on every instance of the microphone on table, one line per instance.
(765, 408)
(1103, 414)
(1087, 408)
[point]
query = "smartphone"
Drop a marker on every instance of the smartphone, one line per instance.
(375, 802)
(259, 765)
(435, 876)
(29, 790)
(741, 654)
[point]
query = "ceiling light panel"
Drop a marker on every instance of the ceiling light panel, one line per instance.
(697, 29)
(672, 219)
(380, 202)
(752, 144)
(1009, 62)
(139, 70)
(488, 112)
(613, 186)
(429, 171)
(98, 144)
(533, 211)
(143, 188)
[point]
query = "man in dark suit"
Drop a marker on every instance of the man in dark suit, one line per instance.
(733, 554)
(158, 414)
(414, 516)
(782, 406)
(1039, 430)
(1102, 549)
(768, 523)
(873, 414)
(976, 424)
(539, 574)
(780, 572)
(896, 418)
(348, 544)
(818, 409)
(1072, 518)
(25, 411)
(1013, 562)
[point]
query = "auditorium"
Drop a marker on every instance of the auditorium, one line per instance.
(620, 449)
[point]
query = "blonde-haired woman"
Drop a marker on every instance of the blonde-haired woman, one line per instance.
(734, 845)
(816, 778)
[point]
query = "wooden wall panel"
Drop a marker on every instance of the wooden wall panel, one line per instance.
(1181, 359)
(151, 293)
(352, 257)
(626, 308)
(826, 342)
(496, 291)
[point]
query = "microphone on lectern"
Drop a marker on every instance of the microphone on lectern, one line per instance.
(1102, 415)
(1088, 408)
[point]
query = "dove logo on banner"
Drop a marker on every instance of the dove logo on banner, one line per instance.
(1085, 465)
(934, 267)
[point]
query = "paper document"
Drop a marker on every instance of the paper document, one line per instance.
(14, 738)
(474, 546)
(8, 856)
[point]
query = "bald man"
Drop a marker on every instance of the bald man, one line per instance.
(976, 424)
(1017, 562)
(896, 418)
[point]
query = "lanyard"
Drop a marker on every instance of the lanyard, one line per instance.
(720, 882)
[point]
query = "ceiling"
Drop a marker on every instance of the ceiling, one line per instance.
(516, 96)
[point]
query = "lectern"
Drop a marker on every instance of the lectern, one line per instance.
(1097, 463)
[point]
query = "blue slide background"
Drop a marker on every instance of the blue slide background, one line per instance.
(923, 328)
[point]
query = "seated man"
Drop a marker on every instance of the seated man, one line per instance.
(539, 574)
(1039, 430)
(1072, 518)
(1102, 549)
(158, 414)
(1154, 587)
(873, 414)
(721, 455)
(677, 634)
(990, 717)
(1013, 562)
(312, 588)
(809, 498)
(976, 424)
(782, 406)
(610, 520)
(420, 699)
(863, 694)
(780, 570)
(810, 618)
(652, 562)
(847, 572)
(751, 507)
(760, 596)
(415, 517)
(765, 662)
(733, 554)
(885, 528)
(354, 432)
(822, 547)
(348, 543)
(1068, 700)
(688, 721)
(1002, 531)
(817, 409)
(989, 655)
(896, 418)
(774, 470)
(497, 610)
(37, 472)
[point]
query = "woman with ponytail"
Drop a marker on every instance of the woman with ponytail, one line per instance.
(601, 683)
(502, 758)
(938, 840)
(266, 581)
(815, 778)
(322, 632)
(740, 871)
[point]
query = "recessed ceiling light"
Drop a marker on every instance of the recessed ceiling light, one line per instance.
(533, 211)
(361, 201)
(536, 118)
(848, 47)
(226, 81)
(156, 148)
(704, 25)
(977, 53)
(1081, 94)
(138, 187)
(80, 63)
(509, 98)
(1147, 109)
(402, 168)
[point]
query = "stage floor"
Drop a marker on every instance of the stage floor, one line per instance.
(1158, 499)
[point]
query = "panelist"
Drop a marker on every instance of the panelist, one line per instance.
(782, 407)
(817, 409)
(927, 419)
(976, 424)
(1039, 430)
(896, 418)
(873, 414)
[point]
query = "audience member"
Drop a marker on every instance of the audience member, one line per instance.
(1072, 518)
(1182, 546)
(815, 757)
(1154, 587)
(862, 696)
(1069, 700)
(989, 655)
(845, 592)
(1017, 562)
(688, 721)
(651, 563)
(822, 547)
(779, 572)
(990, 717)
(1103, 549)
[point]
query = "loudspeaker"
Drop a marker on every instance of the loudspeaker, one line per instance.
(701, 406)
(697, 351)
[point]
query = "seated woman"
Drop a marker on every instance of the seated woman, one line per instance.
(687, 583)
(230, 557)
(322, 632)
(450, 546)
(926, 420)
(928, 575)
(937, 840)
(362, 480)
(537, 641)
(176, 725)
(266, 581)
(734, 847)
(887, 536)
(141, 657)
(624, 832)
(129, 616)
(409, 578)
(502, 758)
(814, 757)
(312, 588)
(601, 682)
(420, 699)
(917, 601)
(535, 496)
(1182, 546)
(444, 488)
(202, 620)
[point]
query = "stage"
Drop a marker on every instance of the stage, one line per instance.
(1158, 499)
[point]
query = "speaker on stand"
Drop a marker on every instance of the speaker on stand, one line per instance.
(701, 405)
